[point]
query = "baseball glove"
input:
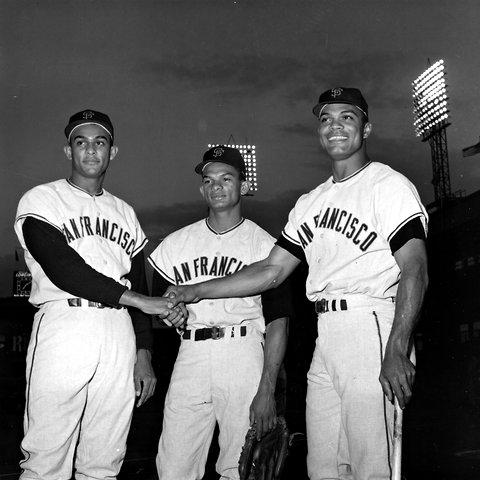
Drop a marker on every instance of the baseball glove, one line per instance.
(264, 459)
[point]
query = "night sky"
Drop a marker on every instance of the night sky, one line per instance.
(177, 75)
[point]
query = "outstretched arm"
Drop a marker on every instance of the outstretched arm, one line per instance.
(68, 271)
(398, 372)
(251, 280)
(163, 307)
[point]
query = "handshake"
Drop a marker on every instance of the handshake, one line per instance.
(170, 308)
(177, 313)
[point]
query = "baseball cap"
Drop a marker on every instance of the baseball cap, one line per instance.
(352, 96)
(88, 117)
(230, 156)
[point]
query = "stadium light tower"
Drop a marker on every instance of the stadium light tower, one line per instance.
(430, 112)
(250, 157)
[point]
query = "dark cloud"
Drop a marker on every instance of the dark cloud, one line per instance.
(299, 129)
(375, 73)
(291, 79)
(234, 75)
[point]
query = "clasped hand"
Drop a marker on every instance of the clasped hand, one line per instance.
(172, 312)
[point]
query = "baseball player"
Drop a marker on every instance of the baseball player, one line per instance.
(223, 372)
(83, 247)
(362, 233)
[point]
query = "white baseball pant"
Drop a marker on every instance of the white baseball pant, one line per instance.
(79, 387)
(349, 420)
(212, 381)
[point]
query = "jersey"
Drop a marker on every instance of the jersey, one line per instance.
(101, 228)
(197, 253)
(344, 228)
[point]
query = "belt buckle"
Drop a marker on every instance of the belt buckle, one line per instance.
(217, 332)
(322, 306)
(96, 304)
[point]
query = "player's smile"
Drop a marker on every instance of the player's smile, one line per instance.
(337, 138)
(217, 196)
(342, 130)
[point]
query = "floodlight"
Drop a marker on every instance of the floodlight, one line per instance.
(430, 111)
(250, 158)
(430, 107)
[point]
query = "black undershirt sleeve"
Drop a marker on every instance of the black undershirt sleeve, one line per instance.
(278, 302)
(296, 250)
(65, 268)
(412, 229)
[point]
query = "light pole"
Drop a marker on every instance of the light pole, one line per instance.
(430, 121)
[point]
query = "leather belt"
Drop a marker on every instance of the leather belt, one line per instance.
(213, 333)
(81, 302)
(323, 305)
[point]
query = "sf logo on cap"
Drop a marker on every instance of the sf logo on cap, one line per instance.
(336, 92)
(87, 115)
(218, 152)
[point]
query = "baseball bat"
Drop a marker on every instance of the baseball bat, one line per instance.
(397, 441)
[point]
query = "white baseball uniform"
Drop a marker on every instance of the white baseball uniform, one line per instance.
(80, 358)
(344, 229)
(213, 380)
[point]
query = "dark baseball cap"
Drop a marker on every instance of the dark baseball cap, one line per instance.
(352, 96)
(88, 117)
(230, 156)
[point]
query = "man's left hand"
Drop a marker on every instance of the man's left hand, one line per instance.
(144, 376)
(397, 376)
(263, 412)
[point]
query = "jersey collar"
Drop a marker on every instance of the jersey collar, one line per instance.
(343, 180)
(225, 231)
(82, 190)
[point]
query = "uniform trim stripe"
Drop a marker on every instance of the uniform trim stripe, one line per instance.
(31, 370)
(38, 217)
(84, 191)
(411, 217)
(343, 180)
(160, 271)
(140, 247)
(291, 239)
(226, 231)
(381, 352)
